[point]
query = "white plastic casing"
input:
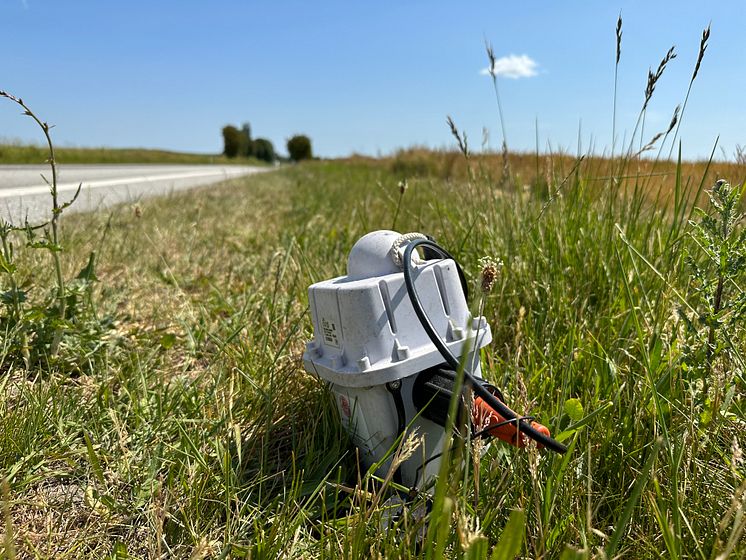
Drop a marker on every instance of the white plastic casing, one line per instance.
(366, 334)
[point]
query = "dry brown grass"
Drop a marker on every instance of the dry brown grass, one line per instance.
(528, 169)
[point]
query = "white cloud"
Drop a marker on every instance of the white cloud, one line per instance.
(514, 66)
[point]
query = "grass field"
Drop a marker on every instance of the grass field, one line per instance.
(13, 153)
(177, 420)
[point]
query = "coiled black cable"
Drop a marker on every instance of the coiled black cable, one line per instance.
(452, 361)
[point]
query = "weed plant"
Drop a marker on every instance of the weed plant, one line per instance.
(201, 436)
(36, 329)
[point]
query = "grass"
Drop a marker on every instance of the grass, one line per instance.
(192, 431)
(14, 153)
(657, 179)
(175, 419)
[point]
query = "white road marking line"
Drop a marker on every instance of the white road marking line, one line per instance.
(66, 187)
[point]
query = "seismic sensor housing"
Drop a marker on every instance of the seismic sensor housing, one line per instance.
(389, 337)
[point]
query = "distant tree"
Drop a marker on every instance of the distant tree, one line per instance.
(248, 145)
(246, 130)
(299, 147)
(233, 142)
(263, 150)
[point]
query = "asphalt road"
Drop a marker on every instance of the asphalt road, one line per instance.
(23, 192)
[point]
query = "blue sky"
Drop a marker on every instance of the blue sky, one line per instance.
(364, 77)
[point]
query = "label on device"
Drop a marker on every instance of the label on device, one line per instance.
(331, 336)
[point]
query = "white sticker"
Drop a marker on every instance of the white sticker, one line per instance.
(331, 336)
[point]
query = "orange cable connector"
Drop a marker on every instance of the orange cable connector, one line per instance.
(484, 416)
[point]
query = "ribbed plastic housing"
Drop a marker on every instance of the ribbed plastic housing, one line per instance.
(369, 345)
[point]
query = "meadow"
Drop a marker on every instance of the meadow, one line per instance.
(153, 402)
(177, 420)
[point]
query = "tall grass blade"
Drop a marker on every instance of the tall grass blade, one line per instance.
(511, 539)
(629, 508)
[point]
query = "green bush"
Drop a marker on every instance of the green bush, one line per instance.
(263, 149)
(299, 147)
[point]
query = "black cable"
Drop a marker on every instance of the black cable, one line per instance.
(476, 386)
(450, 374)
(486, 431)
(425, 464)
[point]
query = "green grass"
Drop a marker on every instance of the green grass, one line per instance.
(192, 430)
(30, 154)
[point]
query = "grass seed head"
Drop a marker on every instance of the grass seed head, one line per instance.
(490, 268)
(674, 119)
(649, 145)
(410, 445)
(702, 49)
(463, 145)
(654, 77)
(619, 38)
(469, 530)
(491, 58)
